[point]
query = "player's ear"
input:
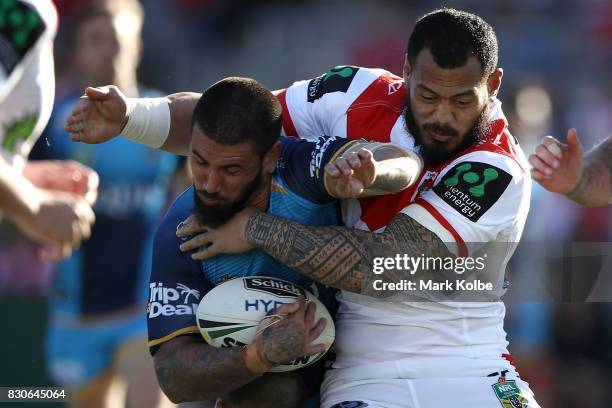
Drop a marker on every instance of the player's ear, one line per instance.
(407, 69)
(271, 157)
(494, 82)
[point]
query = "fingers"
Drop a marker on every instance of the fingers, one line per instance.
(573, 143)
(311, 350)
(539, 176)
(309, 315)
(318, 328)
(540, 165)
(99, 93)
(547, 156)
(189, 227)
(200, 240)
(55, 253)
(291, 308)
(331, 170)
(205, 253)
(343, 166)
(364, 154)
(553, 146)
(74, 123)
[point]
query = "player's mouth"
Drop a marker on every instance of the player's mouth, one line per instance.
(439, 137)
(211, 201)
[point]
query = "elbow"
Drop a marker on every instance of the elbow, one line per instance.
(165, 383)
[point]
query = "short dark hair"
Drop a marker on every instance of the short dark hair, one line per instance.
(452, 36)
(239, 110)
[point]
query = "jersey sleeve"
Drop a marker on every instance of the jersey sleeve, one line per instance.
(28, 25)
(313, 108)
(478, 198)
(302, 162)
(176, 284)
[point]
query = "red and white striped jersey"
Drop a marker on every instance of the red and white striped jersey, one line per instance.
(27, 80)
(479, 196)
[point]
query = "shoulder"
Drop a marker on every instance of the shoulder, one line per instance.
(180, 209)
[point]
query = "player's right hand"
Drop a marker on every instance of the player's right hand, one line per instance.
(290, 336)
(557, 166)
(68, 176)
(59, 219)
(100, 115)
(348, 176)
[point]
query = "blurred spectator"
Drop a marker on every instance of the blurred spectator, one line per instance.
(98, 326)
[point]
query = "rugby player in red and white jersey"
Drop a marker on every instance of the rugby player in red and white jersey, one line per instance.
(475, 190)
(37, 197)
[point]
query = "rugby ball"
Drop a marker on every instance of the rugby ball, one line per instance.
(228, 315)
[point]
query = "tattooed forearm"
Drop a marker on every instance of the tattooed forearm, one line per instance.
(595, 185)
(337, 256)
(189, 370)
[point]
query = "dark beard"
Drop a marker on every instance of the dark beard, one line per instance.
(437, 155)
(215, 215)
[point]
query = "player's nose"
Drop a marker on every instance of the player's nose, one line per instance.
(212, 183)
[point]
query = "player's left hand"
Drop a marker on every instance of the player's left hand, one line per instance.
(67, 176)
(348, 176)
(228, 238)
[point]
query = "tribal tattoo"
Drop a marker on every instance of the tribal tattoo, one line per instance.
(342, 257)
(595, 185)
(188, 370)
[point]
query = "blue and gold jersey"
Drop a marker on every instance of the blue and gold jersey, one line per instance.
(178, 282)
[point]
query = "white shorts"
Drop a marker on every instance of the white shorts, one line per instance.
(472, 392)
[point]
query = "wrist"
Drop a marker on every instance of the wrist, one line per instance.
(575, 190)
(254, 360)
(147, 121)
(28, 202)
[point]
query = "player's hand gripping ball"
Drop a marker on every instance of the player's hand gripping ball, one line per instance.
(229, 315)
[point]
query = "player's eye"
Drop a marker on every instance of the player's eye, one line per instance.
(428, 97)
(463, 103)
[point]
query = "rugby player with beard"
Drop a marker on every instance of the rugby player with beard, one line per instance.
(237, 159)
(428, 350)
(474, 190)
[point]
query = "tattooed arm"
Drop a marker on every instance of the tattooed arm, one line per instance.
(190, 370)
(561, 168)
(595, 185)
(338, 256)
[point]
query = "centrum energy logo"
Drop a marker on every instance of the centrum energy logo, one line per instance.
(472, 188)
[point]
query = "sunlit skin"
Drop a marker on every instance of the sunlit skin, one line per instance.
(222, 172)
(447, 102)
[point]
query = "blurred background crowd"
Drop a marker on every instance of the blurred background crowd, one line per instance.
(557, 59)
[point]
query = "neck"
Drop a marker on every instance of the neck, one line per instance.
(261, 198)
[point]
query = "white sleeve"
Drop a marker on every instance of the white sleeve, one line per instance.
(24, 38)
(478, 198)
(318, 107)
